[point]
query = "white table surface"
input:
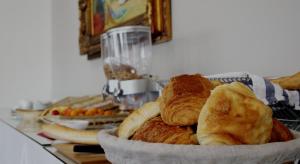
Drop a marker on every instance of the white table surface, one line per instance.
(24, 147)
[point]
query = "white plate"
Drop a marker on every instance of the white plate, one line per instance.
(75, 124)
(119, 150)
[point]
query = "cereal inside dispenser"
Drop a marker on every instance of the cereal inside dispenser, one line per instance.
(127, 59)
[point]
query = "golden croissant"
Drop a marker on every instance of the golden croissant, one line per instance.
(182, 99)
(289, 82)
(156, 131)
(280, 132)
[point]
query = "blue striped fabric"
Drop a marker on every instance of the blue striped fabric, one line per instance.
(268, 92)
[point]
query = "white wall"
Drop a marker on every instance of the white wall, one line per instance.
(72, 74)
(40, 58)
(25, 51)
(210, 36)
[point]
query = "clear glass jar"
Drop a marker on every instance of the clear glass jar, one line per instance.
(126, 52)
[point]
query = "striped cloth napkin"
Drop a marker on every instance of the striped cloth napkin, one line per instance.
(271, 94)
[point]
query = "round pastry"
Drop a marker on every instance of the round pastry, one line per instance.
(182, 99)
(233, 115)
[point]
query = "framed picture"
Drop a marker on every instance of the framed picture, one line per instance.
(98, 16)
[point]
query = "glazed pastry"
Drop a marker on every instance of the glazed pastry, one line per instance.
(280, 132)
(137, 118)
(233, 115)
(156, 131)
(183, 98)
(289, 82)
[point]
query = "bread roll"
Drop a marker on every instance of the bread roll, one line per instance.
(233, 115)
(64, 133)
(156, 131)
(137, 118)
(183, 98)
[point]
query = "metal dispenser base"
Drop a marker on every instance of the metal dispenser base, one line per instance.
(132, 93)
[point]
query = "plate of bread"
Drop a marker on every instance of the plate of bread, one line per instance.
(199, 121)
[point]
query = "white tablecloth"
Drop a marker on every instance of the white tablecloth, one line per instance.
(17, 148)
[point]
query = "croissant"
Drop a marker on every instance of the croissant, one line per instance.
(233, 115)
(289, 82)
(156, 131)
(183, 98)
(280, 132)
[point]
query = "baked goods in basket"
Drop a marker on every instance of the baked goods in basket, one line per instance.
(123, 151)
(233, 115)
(289, 82)
(216, 83)
(155, 130)
(136, 119)
(280, 132)
(182, 99)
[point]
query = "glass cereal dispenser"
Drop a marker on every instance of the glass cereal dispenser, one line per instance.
(127, 58)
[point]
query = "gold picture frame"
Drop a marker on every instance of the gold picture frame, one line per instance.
(98, 16)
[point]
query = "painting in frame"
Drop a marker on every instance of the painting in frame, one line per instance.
(98, 16)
